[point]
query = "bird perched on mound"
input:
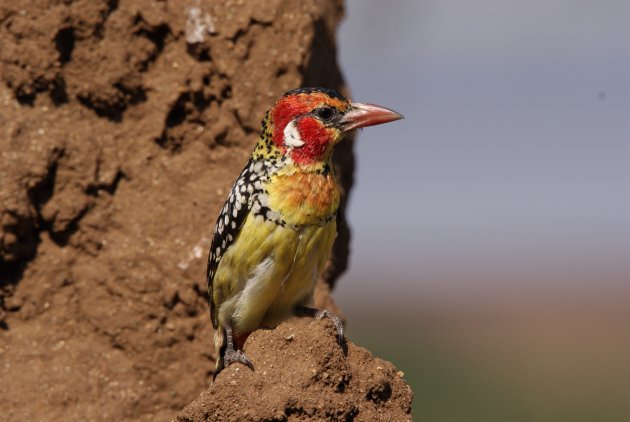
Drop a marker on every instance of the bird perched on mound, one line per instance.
(277, 227)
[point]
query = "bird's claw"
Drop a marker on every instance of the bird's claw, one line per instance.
(323, 313)
(234, 356)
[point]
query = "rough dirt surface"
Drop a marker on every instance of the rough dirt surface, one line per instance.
(122, 126)
(303, 356)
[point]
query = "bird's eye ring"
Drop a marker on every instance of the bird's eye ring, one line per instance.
(325, 113)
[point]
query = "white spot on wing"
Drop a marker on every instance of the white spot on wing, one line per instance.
(272, 215)
(263, 199)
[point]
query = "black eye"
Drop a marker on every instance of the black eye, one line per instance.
(325, 113)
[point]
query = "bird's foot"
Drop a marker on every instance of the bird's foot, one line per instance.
(236, 356)
(323, 313)
(304, 311)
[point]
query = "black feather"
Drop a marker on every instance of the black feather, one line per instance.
(330, 92)
(225, 233)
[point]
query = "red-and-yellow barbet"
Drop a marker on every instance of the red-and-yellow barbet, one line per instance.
(277, 227)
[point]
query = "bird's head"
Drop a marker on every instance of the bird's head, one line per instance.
(306, 123)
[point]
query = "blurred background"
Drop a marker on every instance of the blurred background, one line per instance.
(491, 228)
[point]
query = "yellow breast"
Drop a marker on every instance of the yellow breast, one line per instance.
(268, 271)
(303, 198)
(272, 267)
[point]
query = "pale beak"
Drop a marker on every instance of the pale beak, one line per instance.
(362, 115)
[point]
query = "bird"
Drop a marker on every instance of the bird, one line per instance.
(277, 227)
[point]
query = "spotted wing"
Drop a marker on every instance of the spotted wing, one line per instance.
(229, 225)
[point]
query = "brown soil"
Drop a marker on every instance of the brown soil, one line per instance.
(122, 126)
(301, 373)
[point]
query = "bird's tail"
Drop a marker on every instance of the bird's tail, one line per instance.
(220, 345)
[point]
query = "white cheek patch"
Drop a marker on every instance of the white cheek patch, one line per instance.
(292, 135)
